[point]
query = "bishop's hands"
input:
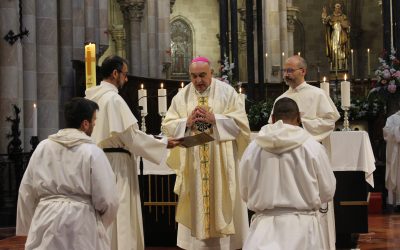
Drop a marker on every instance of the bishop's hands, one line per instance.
(200, 114)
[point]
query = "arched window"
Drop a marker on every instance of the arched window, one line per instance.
(181, 48)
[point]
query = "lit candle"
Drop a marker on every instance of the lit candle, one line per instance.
(242, 96)
(162, 100)
(90, 65)
(369, 64)
(282, 60)
(345, 92)
(352, 63)
(182, 85)
(142, 96)
(325, 86)
(34, 120)
(266, 55)
(336, 63)
(299, 53)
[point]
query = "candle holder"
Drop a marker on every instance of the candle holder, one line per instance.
(346, 124)
(34, 141)
(143, 122)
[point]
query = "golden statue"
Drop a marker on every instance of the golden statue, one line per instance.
(337, 32)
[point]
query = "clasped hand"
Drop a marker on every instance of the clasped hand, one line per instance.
(200, 114)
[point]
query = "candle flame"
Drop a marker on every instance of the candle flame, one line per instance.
(182, 84)
(162, 85)
(345, 77)
(299, 53)
(266, 54)
(324, 78)
(141, 85)
(351, 50)
(368, 50)
(34, 105)
(240, 90)
(283, 53)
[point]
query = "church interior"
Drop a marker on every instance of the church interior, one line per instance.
(47, 57)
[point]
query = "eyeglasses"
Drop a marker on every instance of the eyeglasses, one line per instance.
(290, 70)
(125, 74)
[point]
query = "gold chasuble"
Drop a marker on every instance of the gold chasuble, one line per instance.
(209, 204)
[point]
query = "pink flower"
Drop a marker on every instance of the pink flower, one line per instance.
(397, 74)
(392, 88)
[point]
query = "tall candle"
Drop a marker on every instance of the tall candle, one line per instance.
(34, 120)
(242, 96)
(90, 65)
(162, 100)
(325, 86)
(182, 85)
(369, 64)
(282, 61)
(352, 63)
(142, 96)
(336, 63)
(345, 92)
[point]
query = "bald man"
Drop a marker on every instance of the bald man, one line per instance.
(210, 212)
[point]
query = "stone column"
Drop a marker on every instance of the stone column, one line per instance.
(90, 22)
(291, 21)
(10, 70)
(164, 38)
(47, 67)
(29, 69)
(102, 26)
(78, 29)
(118, 36)
(66, 44)
(283, 29)
(272, 31)
(152, 45)
(133, 10)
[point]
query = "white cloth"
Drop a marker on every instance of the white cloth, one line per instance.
(116, 127)
(391, 134)
(67, 196)
(361, 157)
(318, 112)
(284, 177)
(229, 219)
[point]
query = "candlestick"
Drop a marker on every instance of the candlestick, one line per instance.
(142, 97)
(369, 64)
(34, 120)
(325, 86)
(346, 123)
(352, 63)
(90, 65)
(162, 100)
(345, 92)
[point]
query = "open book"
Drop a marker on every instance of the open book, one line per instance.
(195, 140)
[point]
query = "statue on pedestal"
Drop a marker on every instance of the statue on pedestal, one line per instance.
(337, 37)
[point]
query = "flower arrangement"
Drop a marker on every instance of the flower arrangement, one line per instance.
(226, 71)
(387, 76)
(259, 114)
(362, 108)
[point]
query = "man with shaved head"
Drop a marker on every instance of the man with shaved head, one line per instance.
(285, 176)
(210, 213)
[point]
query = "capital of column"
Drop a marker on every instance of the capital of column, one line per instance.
(118, 34)
(132, 9)
(292, 12)
(171, 4)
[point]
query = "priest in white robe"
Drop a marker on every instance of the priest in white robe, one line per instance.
(285, 176)
(391, 134)
(210, 212)
(67, 197)
(317, 110)
(117, 133)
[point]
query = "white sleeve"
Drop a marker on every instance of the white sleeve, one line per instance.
(104, 191)
(325, 176)
(225, 128)
(245, 165)
(27, 200)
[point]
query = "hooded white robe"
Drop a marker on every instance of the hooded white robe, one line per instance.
(284, 177)
(116, 127)
(391, 134)
(67, 196)
(228, 216)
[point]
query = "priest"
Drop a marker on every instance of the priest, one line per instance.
(117, 133)
(210, 213)
(67, 197)
(285, 176)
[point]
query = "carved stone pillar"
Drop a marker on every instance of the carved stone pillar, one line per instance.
(133, 11)
(119, 37)
(291, 20)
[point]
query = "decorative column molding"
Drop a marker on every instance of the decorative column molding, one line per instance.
(118, 36)
(171, 5)
(133, 11)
